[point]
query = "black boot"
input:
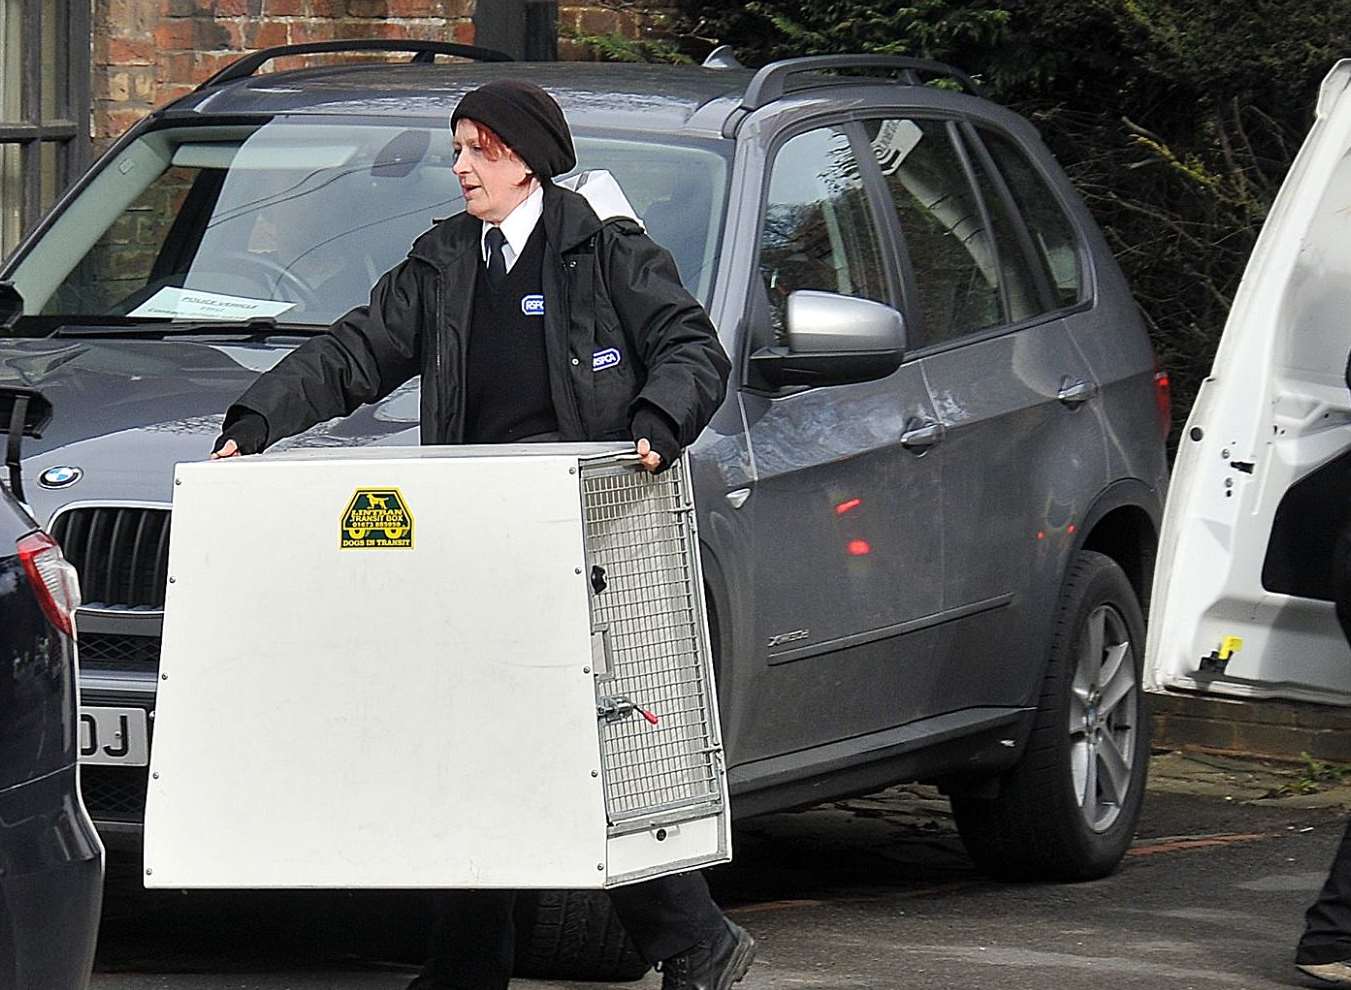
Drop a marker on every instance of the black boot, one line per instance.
(713, 964)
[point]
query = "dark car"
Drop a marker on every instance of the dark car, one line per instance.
(928, 507)
(51, 860)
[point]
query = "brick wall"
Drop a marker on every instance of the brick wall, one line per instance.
(632, 19)
(148, 52)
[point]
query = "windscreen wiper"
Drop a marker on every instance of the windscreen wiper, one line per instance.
(257, 328)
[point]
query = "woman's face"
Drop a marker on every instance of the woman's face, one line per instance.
(492, 187)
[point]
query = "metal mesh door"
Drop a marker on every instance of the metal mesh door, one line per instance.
(647, 605)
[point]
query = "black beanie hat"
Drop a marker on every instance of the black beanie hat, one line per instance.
(527, 119)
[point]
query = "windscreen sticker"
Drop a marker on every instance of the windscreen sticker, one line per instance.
(377, 517)
(194, 304)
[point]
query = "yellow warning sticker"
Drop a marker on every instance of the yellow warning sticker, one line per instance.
(377, 517)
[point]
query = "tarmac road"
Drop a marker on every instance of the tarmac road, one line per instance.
(870, 893)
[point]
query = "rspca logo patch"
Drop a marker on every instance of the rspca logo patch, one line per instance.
(607, 358)
(532, 305)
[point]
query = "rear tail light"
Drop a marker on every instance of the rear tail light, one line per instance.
(1163, 398)
(53, 578)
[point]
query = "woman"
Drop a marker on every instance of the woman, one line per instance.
(529, 318)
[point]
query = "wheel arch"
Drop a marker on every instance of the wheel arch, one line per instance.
(1123, 523)
(716, 606)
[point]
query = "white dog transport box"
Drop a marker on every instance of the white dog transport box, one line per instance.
(459, 667)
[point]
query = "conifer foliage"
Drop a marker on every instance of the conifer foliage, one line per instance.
(1176, 120)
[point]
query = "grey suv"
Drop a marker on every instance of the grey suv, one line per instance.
(929, 504)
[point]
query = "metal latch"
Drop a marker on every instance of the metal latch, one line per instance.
(619, 708)
(1219, 659)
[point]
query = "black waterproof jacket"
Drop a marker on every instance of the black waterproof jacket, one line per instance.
(620, 330)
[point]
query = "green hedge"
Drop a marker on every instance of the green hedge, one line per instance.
(1176, 120)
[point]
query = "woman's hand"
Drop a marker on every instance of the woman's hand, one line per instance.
(654, 438)
(650, 459)
(244, 432)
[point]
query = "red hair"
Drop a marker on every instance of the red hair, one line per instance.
(491, 142)
(495, 148)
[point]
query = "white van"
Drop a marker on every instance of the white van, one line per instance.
(1242, 595)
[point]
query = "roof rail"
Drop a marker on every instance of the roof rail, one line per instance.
(424, 51)
(770, 82)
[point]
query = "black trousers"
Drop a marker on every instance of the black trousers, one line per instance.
(1327, 923)
(474, 941)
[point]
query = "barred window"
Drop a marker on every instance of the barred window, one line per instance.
(44, 108)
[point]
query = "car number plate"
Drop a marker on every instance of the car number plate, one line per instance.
(114, 735)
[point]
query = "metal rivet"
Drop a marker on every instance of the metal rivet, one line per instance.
(155, 775)
(586, 670)
(164, 677)
(172, 581)
(149, 872)
(1196, 433)
(661, 835)
(178, 481)
(595, 773)
(572, 470)
(576, 570)
(1225, 453)
(601, 867)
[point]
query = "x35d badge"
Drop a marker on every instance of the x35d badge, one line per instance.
(377, 517)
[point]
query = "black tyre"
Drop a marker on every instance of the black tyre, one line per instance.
(1068, 810)
(573, 935)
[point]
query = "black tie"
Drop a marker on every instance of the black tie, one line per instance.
(497, 261)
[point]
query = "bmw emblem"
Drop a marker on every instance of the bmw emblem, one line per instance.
(60, 477)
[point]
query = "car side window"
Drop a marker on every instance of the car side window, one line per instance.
(819, 232)
(1057, 245)
(1022, 301)
(952, 250)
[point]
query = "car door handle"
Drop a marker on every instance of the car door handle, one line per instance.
(1075, 392)
(921, 434)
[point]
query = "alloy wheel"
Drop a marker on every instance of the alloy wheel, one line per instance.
(1103, 717)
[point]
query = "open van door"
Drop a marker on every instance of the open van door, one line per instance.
(1242, 598)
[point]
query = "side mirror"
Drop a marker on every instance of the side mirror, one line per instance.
(11, 305)
(834, 340)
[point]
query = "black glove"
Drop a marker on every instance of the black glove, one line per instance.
(246, 428)
(654, 426)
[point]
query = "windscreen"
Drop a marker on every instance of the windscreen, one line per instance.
(296, 219)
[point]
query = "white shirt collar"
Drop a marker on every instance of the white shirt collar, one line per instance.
(517, 227)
